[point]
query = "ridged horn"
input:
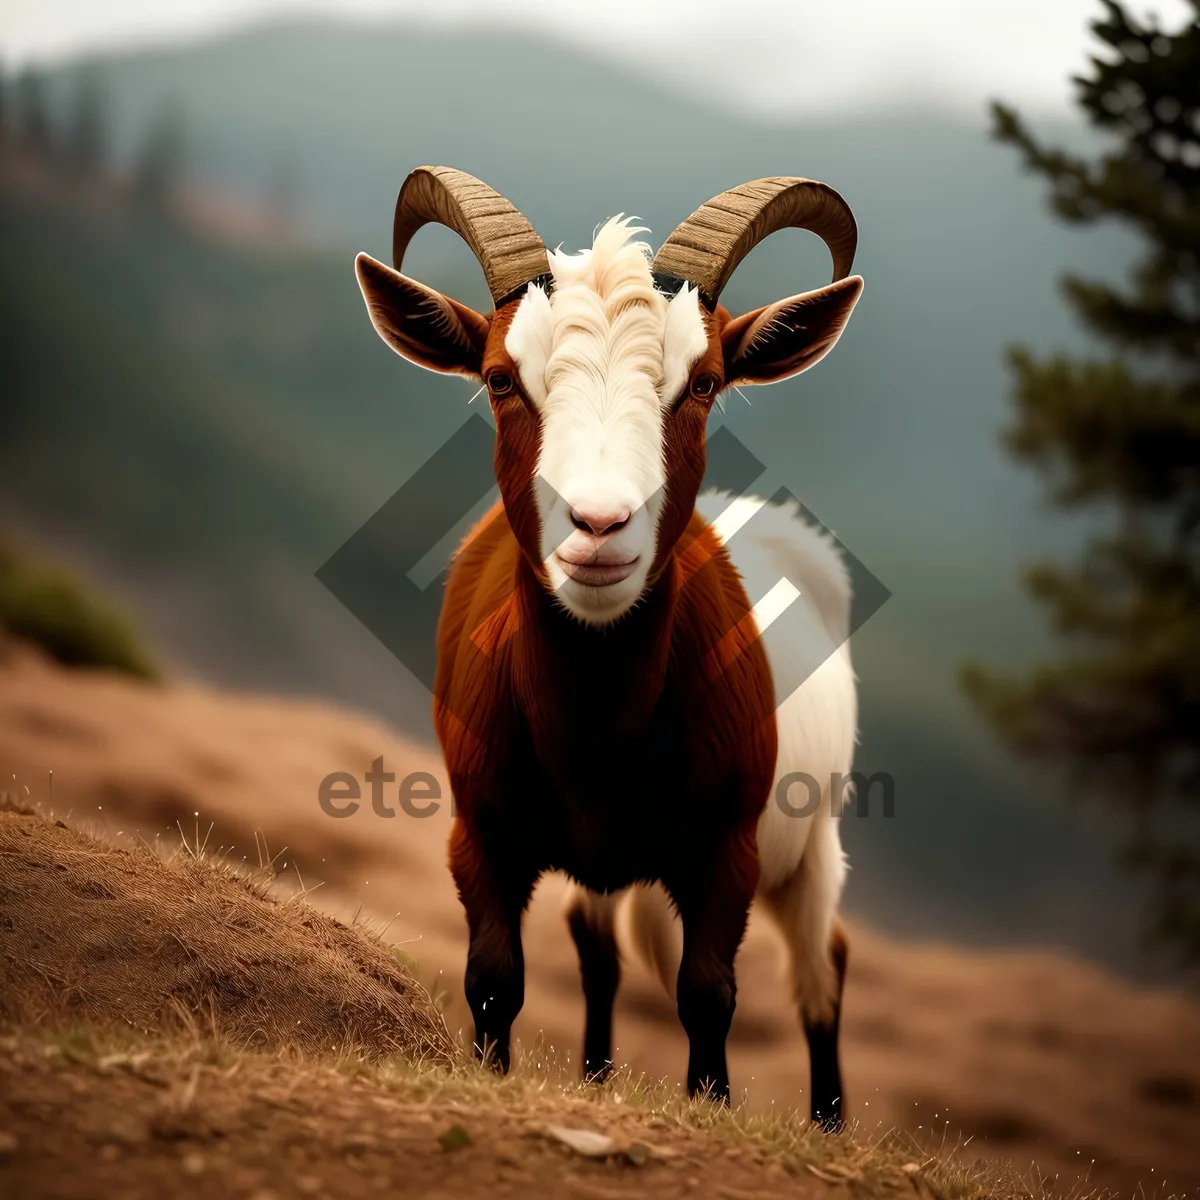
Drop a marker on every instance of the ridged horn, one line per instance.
(507, 246)
(706, 249)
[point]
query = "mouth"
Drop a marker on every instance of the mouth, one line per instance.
(597, 575)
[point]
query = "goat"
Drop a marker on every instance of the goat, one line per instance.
(603, 697)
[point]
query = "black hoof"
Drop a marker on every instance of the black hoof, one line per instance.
(491, 1055)
(718, 1093)
(597, 1074)
(830, 1122)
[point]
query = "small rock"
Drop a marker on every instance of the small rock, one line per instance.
(455, 1138)
(131, 1062)
(193, 1163)
(825, 1176)
(359, 1143)
(8, 1143)
(308, 1184)
(587, 1142)
(638, 1154)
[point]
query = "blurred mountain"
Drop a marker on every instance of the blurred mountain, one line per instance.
(206, 420)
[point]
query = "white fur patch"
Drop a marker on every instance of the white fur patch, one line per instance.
(818, 722)
(602, 357)
(529, 341)
(684, 341)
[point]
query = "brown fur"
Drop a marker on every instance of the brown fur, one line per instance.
(639, 752)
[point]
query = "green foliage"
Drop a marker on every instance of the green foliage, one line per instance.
(1120, 710)
(49, 607)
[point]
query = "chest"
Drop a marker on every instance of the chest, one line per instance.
(608, 752)
(612, 810)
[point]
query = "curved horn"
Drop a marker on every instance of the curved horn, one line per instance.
(706, 249)
(507, 246)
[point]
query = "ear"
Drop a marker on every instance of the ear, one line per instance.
(789, 336)
(424, 326)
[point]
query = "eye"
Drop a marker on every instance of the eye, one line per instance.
(500, 383)
(704, 387)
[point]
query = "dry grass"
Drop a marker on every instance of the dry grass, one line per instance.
(196, 1081)
(193, 998)
(103, 935)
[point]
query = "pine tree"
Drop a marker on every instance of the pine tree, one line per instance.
(87, 129)
(33, 119)
(1119, 711)
(158, 170)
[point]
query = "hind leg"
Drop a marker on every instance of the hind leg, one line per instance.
(590, 919)
(805, 910)
(822, 1036)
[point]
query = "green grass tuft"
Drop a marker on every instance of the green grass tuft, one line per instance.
(51, 608)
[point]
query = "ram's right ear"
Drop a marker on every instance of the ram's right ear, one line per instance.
(424, 326)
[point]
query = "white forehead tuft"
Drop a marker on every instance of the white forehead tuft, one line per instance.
(605, 318)
(614, 259)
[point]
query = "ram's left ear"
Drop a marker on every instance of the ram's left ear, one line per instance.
(789, 336)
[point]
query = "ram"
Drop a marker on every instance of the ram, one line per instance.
(604, 700)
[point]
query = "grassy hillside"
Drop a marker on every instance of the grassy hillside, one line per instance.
(196, 1030)
(1036, 1056)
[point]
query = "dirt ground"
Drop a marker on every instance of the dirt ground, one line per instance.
(168, 1026)
(1026, 1055)
(76, 1126)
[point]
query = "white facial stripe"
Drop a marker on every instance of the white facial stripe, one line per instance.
(602, 419)
(591, 359)
(685, 339)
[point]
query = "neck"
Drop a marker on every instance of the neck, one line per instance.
(608, 676)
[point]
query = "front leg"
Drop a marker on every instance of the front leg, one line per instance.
(494, 889)
(714, 902)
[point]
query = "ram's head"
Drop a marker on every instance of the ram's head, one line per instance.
(602, 366)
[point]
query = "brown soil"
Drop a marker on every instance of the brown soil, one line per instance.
(78, 1122)
(1031, 1055)
(92, 934)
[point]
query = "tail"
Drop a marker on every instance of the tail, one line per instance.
(648, 926)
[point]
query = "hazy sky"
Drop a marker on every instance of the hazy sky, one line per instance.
(760, 54)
